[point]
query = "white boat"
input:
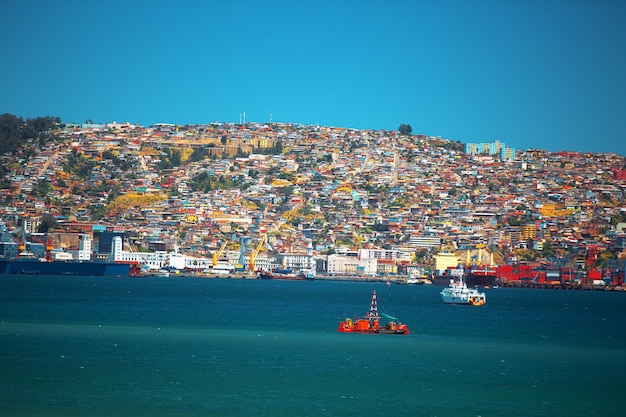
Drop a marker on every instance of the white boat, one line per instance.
(458, 293)
(418, 281)
(222, 268)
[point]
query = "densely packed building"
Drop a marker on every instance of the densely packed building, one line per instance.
(278, 192)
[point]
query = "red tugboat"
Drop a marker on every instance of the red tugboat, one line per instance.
(371, 323)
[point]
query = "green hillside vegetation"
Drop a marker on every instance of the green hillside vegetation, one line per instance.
(15, 131)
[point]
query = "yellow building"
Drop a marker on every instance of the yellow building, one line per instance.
(529, 232)
(444, 261)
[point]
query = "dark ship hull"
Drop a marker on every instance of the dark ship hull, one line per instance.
(286, 274)
(85, 268)
(471, 280)
(480, 280)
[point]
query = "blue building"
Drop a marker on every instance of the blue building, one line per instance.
(8, 248)
(494, 148)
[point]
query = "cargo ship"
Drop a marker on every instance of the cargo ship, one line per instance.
(482, 277)
(79, 268)
(371, 323)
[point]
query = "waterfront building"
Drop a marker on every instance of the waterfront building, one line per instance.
(296, 261)
(377, 253)
(76, 246)
(183, 262)
(105, 236)
(349, 265)
(386, 267)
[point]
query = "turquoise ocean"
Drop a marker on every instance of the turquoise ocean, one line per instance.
(93, 346)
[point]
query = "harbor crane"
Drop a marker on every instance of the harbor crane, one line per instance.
(255, 253)
(218, 254)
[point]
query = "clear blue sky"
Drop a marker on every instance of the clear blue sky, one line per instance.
(532, 74)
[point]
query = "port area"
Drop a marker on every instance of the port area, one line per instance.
(199, 274)
(252, 275)
(360, 278)
(561, 286)
(573, 286)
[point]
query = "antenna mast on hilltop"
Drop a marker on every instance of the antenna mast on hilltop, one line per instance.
(396, 162)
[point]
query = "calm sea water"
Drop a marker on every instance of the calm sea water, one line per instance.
(220, 347)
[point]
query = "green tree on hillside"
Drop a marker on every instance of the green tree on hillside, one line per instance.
(405, 129)
(14, 131)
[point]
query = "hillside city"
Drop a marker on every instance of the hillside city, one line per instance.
(324, 200)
